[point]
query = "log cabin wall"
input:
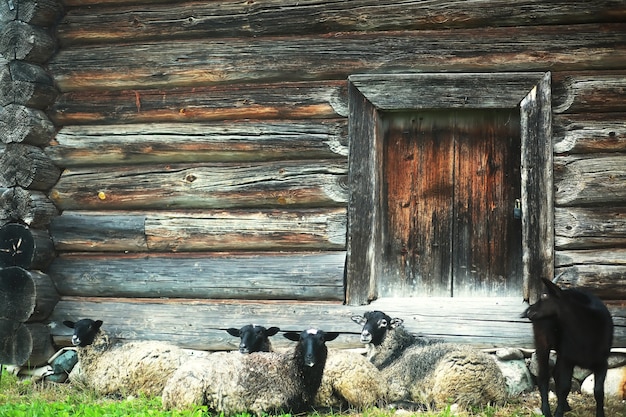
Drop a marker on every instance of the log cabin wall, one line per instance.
(27, 293)
(204, 150)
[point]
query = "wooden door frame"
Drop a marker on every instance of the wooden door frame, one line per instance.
(369, 95)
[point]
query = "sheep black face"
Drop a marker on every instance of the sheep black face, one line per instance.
(375, 325)
(579, 327)
(85, 331)
(312, 345)
(253, 338)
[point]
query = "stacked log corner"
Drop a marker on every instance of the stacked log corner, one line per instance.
(27, 294)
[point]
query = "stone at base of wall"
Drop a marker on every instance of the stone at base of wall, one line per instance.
(519, 368)
(614, 385)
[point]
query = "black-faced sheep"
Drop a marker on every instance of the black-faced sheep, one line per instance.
(579, 327)
(262, 382)
(254, 338)
(131, 368)
(349, 380)
(429, 373)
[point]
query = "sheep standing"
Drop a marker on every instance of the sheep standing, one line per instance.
(123, 369)
(254, 338)
(424, 372)
(579, 327)
(262, 382)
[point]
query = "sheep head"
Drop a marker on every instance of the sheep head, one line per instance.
(375, 326)
(254, 338)
(85, 331)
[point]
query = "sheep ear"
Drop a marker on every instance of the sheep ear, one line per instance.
(292, 336)
(233, 332)
(328, 336)
(272, 331)
(395, 322)
(553, 289)
(69, 324)
(359, 319)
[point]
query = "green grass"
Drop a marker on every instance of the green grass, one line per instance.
(25, 398)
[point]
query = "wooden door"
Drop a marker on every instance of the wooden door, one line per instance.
(450, 181)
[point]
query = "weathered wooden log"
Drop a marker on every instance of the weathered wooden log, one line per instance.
(21, 124)
(589, 227)
(204, 186)
(27, 166)
(25, 247)
(198, 324)
(277, 230)
(46, 296)
(33, 208)
(248, 19)
(35, 12)
(26, 84)
(25, 344)
(247, 276)
(286, 100)
(591, 92)
(602, 272)
(312, 229)
(590, 179)
(589, 133)
(201, 103)
(26, 295)
(19, 40)
(17, 342)
(99, 232)
(123, 66)
(17, 294)
(198, 142)
(42, 345)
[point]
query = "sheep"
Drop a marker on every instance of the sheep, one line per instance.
(579, 327)
(254, 338)
(429, 372)
(261, 382)
(132, 368)
(349, 378)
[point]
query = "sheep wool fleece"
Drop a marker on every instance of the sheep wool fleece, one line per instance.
(127, 368)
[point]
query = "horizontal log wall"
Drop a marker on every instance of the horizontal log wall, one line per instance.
(204, 155)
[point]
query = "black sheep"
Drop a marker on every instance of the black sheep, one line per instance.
(254, 338)
(579, 327)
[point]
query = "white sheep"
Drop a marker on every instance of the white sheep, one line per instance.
(131, 368)
(429, 373)
(350, 380)
(261, 382)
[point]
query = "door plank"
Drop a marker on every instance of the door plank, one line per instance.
(487, 239)
(419, 183)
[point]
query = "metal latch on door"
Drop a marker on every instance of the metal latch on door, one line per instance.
(517, 210)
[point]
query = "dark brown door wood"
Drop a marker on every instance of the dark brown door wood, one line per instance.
(451, 178)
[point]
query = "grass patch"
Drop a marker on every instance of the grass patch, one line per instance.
(25, 398)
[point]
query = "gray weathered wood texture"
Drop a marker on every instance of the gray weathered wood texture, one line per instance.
(218, 132)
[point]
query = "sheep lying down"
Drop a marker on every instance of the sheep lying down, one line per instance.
(441, 373)
(350, 380)
(122, 368)
(260, 382)
(427, 372)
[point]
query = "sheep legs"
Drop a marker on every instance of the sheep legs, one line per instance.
(563, 380)
(598, 390)
(543, 380)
